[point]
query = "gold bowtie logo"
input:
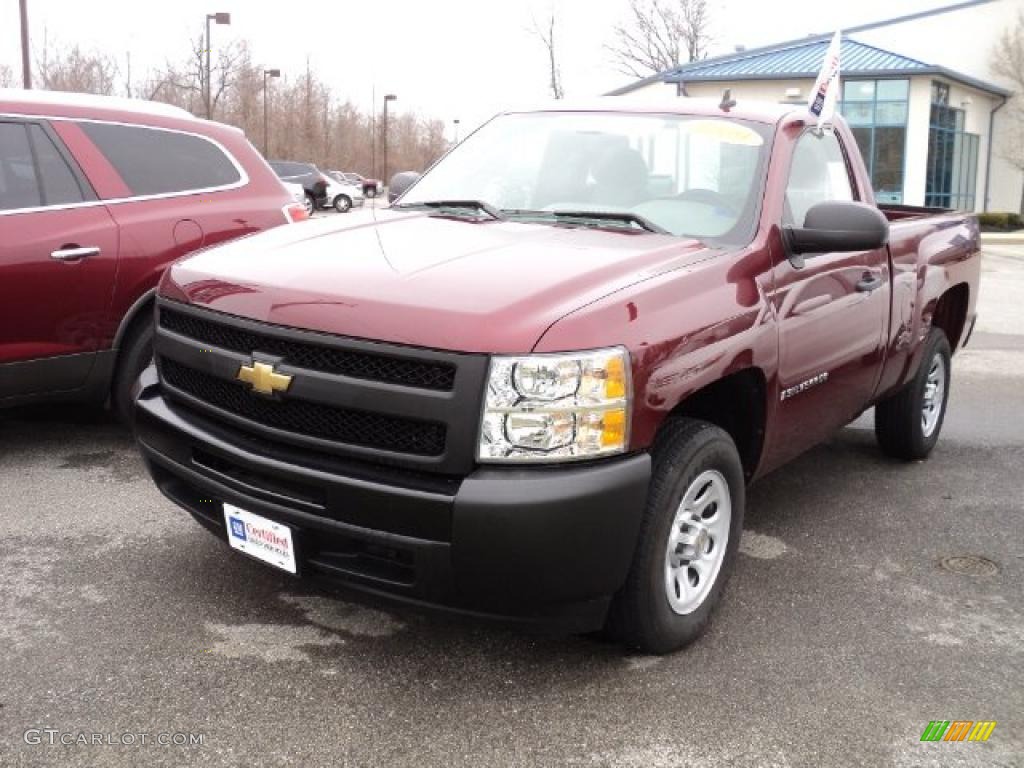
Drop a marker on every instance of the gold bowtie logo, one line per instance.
(263, 378)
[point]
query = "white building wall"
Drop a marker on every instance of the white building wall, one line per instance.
(915, 168)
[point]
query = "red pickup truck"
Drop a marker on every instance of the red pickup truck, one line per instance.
(537, 386)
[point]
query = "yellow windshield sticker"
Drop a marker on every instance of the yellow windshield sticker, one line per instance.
(725, 131)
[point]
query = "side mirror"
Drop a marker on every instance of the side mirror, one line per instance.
(838, 225)
(401, 182)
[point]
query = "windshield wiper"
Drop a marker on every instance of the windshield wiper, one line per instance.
(478, 205)
(627, 217)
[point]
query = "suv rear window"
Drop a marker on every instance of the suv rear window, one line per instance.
(152, 161)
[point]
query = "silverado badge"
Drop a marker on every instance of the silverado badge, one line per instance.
(263, 378)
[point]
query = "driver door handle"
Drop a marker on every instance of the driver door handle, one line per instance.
(75, 253)
(869, 282)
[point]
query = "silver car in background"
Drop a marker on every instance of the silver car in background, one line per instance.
(342, 195)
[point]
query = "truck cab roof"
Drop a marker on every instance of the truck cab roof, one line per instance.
(756, 111)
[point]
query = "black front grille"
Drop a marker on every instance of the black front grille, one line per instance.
(301, 354)
(371, 430)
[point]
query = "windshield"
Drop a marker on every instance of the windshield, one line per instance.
(692, 176)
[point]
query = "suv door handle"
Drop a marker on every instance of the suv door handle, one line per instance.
(74, 252)
(869, 282)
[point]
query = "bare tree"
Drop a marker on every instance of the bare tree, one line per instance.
(305, 121)
(1007, 61)
(76, 70)
(546, 33)
(661, 34)
(6, 76)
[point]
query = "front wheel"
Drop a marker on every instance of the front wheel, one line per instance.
(688, 542)
(907, 423)
(370, 192)
(310, 205)
(342, 203)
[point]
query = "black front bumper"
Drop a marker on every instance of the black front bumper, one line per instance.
(547, 546)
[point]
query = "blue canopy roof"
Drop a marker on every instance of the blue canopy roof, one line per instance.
(802, 59)
(795, 60)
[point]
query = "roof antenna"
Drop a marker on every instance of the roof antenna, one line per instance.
(727, 102)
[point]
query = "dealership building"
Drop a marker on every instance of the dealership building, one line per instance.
(916, 90)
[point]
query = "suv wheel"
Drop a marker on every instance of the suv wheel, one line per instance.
(370, 192)
(907, 423)
(688, 539)
(310, 204)
(342, 203)
(135, 354)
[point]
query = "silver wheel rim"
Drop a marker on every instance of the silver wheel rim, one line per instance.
(309, 206)
(341, 204)
(697, 542)
(934, 395)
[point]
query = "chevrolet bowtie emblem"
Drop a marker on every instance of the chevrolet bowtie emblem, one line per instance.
(263, 378)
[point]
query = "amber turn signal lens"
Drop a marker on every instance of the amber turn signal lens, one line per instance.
(613, 431)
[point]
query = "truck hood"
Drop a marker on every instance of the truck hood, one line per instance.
(423, 280)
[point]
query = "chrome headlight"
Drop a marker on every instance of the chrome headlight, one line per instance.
(558, 407)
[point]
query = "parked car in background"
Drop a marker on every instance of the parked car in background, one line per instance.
(343, 195)
(313, 181)
(537, 387)
(371, 187)
(97, 196)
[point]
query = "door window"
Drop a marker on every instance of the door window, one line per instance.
(60, 187)
(19, 187)
(152, 161)
(818, 174)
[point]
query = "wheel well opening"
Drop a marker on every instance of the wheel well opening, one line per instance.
(140, 315)
(951, 313)
(735, 403)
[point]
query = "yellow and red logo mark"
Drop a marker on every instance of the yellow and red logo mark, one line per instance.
(958, 730)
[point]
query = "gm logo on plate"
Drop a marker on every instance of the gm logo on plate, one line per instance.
(237, 528)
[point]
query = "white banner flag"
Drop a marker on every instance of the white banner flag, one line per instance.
(822, 104)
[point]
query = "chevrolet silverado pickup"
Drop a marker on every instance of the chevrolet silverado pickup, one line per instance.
(537, 386)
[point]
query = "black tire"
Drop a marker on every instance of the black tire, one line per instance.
(641, 615)
(370, 192)
(135, 354)
(342, 203)
(310, 204)
(899, 418)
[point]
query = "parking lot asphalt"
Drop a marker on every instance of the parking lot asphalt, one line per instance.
(840, 638)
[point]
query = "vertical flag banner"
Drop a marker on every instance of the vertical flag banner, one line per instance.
(822, 104)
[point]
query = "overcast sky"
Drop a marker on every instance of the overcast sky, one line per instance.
(443, 58)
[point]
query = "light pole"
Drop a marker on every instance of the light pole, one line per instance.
(456, 123)
(220, 18)
(26, 70)
(267, 73)
(387, 98)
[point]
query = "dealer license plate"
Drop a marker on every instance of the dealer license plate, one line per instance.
(260, 538)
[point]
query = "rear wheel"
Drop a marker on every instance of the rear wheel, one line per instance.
(342, 203)
(370, 192)
(135, 354)
(688, 539)
(907, 423)
(310, 204)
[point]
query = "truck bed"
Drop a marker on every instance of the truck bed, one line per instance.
(903, 212)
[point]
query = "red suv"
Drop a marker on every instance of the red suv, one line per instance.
(97, 196)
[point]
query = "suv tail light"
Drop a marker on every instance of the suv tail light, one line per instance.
(295, 212)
